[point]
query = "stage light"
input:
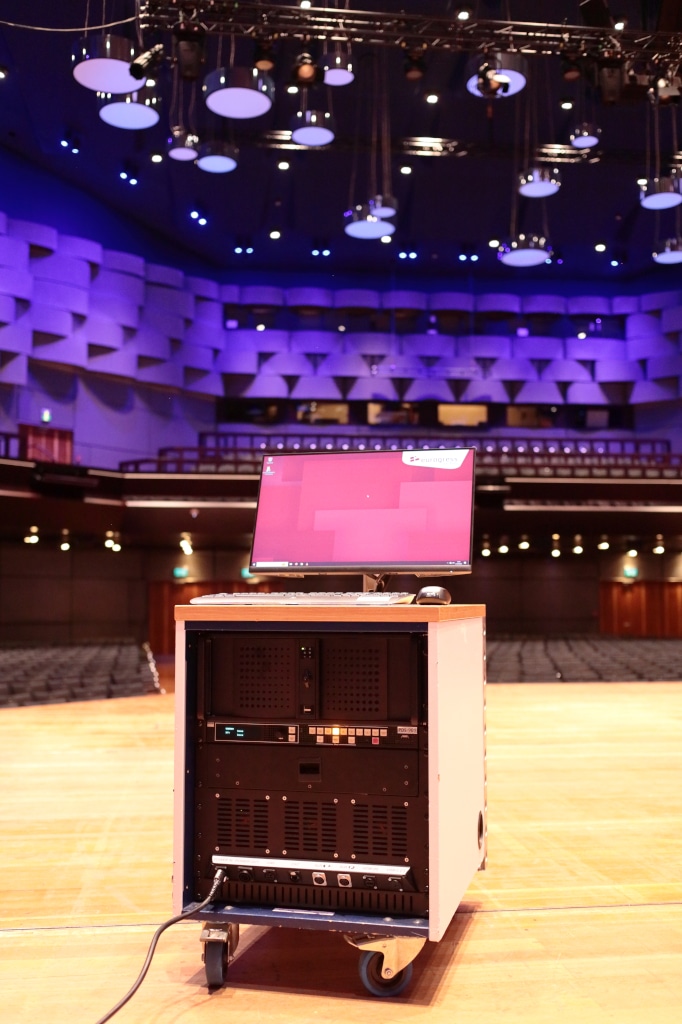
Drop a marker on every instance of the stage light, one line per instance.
(414, 66)
(659, 546)
(238, 92)
(525, 251)
(669, 251)
(585, 135)
(132, 111)
(305, 71)
(65, 542)
(146, 63)
(102, 63)
(337, 67)
(497, 75)
(661, 193)
(577, 545)
(32, 536)
(361, 222)
(312, 128)
(539, 182)
(186, 544)
(524, 543)
(217, 157)
(485, 546)
(603, 544)
(183, 145)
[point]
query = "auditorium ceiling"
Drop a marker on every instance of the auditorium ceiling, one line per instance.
(463, 152)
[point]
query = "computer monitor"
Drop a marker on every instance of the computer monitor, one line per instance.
(365, 512)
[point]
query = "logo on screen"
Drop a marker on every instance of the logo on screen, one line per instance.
(436, 460)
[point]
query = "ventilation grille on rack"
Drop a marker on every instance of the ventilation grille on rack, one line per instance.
(327, 898)
(265, 675)
(379, 831)
(243, 824)
(354, 678)
(310, 828)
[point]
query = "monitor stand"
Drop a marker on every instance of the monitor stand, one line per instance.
(375, 581)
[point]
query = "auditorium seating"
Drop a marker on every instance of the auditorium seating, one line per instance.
(54, 674)
(582, 659)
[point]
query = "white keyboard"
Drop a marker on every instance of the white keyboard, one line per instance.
(369, 598)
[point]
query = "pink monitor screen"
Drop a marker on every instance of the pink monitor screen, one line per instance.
(365, 512)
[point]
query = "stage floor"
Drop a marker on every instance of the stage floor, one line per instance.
(578, 917)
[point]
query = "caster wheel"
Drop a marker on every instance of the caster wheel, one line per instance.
(370, 972)
(215, 963)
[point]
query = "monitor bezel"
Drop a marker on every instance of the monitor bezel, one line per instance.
(368, 569)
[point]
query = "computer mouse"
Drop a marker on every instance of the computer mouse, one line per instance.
(433, 595)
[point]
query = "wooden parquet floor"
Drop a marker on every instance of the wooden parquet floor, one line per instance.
(577, 919)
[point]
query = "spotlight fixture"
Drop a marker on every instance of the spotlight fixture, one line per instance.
(578, 545)
(240, 92)
(503, 547)
(600, 247)
(109, 539)
(189, 38)
(337, 67)
(497, 75)
(432, 98)
(138, 109)
(524, 543)
(283, 165)
(661, 193)
(539, 182)
(556, 546)
(217, 157)
(102, 63)
(525, 250)
(566, 103)
(156, 157)
(183, 145)
(116, 542)
(198, 216)
(362, 222)
(65, 542)
(384, 206)
(414, 66)
(275, 234)
(312, 128)
(305, 72)
(632, 552)
(669, 251)
(585, 135)
(569, 69)
(32, 535)
(603, 544)
(262, 56)
(464, 14)
(406, 169)
(147, 63)
(659, 546)
(186, 544)
(485, 546)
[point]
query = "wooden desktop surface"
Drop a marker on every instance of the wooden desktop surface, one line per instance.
(323, 613)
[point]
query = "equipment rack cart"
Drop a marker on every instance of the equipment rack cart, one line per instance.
(332, 761)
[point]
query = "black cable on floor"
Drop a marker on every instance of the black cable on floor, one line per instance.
(192, 909)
